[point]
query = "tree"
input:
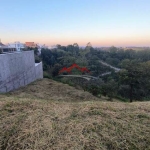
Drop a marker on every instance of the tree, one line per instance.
(131, 76)
(36, 51)
(113, 51)
(70, 48)
(58, 46)
(89, 44)
(76, 48)
(109, 89)
(56, 69)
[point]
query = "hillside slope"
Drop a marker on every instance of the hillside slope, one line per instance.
(31, 120)
(51, 90)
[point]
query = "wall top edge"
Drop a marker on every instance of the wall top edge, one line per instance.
(16, 53)
(36, 64)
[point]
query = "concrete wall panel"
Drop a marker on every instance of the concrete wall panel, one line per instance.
(39, 70)
(18, 69)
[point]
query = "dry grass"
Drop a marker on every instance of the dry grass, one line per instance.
(51, 90)
(27, 123)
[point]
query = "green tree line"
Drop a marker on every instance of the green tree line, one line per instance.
(132, 82)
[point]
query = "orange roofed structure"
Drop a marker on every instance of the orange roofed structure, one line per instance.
(30, 44)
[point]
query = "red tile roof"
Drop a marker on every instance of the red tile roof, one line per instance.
(30, 44)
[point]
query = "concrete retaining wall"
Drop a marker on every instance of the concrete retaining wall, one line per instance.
(39, 70)
(18, 69)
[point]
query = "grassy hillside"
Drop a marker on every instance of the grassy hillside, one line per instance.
(51, 90)
(50, 115)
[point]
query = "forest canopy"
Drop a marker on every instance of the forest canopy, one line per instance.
(130, 83)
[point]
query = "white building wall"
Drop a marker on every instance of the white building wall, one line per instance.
(17, 45)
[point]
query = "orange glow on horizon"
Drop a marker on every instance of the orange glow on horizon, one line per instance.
(82, 41)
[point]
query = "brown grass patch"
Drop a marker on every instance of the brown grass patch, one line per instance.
(51, 90)
(33, 124)
(49, 115)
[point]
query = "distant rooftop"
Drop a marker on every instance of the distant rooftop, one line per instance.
(30, 44)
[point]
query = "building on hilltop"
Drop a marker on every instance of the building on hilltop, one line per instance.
(5, 48)
(11, 47)
(30, 44)
(16, 45)
(1, 47)
(34, 45)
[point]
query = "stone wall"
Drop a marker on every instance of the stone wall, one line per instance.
(18, 69)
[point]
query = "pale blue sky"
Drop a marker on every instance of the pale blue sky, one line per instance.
(101, 22)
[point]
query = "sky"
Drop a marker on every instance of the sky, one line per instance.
(101, 22)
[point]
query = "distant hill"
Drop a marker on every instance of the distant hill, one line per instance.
(51, 115)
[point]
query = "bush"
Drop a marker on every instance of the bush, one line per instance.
(95, 90)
